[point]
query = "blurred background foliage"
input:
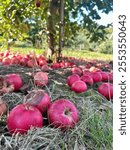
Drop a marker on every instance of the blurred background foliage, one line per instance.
(23, 24)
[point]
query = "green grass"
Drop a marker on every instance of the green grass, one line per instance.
(24, 50)
(83, 54)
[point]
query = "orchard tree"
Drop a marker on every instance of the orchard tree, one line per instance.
(59, 19)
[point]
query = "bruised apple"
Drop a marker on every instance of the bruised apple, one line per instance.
(63, 114)
(10, 83)
(41, 78)
(38, 98)
(15, 80)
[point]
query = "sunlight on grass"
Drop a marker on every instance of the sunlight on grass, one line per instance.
(83, 54)
(87, 54)
(24, 50)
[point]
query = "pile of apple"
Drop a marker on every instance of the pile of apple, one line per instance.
(30, 60)
(80, 78)
(61, 113)
(36, 106)
(63, 64)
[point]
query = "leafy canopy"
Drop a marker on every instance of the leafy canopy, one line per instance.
(16, 17)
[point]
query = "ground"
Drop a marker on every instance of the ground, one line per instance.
(93, 131)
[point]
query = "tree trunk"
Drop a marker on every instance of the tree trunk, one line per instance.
(9, 44)
(61, 29)
(51, 32)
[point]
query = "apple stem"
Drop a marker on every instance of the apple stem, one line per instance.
(67, 111)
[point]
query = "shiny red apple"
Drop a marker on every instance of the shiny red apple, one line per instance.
(63, 114)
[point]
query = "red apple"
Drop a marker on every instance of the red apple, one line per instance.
(42, 62)
(62, 64)
(105, 76)
(22, 117)
(87, 79)
(110, 77)
(106, 89)
(41, 78)
(88, 66)
(67, 64)
(97, 77)
(79, 86)
(56, 66)
(38, 98)
(63, 114)
(76, 70)
(31, 63)
(45, 68)
(6, 61)
(14, 61)
(87, 72)
(72, 78)
(15, 80)
(23, 61)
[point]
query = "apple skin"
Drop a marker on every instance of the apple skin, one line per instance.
(63, 114)
(110, 77)
(55, 66)
(97, 77)
(22, 117)
(105, 76)
(41, 79)
(87, 79)
(76, 70)
(72, 78)
(79, 86)
(44, 104)
(38, 98)
(106, 89)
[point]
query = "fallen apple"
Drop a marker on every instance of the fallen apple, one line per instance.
(76, 70)
(22, 117)
(97, 77)
(79, 86)
(106, 89)
(38, 98)
(105, 76)
(41, 79)
(72, 78)
(63, 114)
(87, 79)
